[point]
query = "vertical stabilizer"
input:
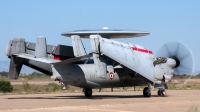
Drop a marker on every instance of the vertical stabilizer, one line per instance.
(15, 67)
(78, 47)
(16, 46)
(41, 47)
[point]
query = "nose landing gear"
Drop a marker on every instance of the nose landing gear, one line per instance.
(161, 92)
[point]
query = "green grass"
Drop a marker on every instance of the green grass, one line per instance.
(34, 77)
(27, 88)
(52, 86)
(183, 86)
(5, 86)
(193, 109)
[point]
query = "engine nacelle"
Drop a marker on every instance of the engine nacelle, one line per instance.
(167, 78)
(164, 69)
(161, 82)
(171, 62)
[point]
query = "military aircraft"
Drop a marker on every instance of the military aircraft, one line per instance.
(110, 63)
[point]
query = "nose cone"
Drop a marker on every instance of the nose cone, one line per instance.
(171, 62)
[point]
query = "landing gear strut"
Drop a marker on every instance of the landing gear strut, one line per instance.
(87, 92)
(161, 92)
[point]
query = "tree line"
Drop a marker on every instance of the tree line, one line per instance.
(4, 73)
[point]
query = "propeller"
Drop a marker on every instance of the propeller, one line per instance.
(181, 54)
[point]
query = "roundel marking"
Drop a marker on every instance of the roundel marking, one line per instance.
(111, 75)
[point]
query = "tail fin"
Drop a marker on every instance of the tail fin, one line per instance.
(16, 46)
(15, 67)
(41, 47)
(78, 47)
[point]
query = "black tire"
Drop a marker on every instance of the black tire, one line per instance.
(146, 92)
(88, 92)
(163, 93)
(159, 92)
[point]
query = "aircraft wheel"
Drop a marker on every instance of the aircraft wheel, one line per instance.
(146, 92)
(88, 92)
(163, 93)
(159, 92)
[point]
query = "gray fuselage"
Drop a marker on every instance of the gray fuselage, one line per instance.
(84, 75)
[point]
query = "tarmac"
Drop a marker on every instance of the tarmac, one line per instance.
(126, 101)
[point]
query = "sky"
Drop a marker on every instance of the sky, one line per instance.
(165, 20)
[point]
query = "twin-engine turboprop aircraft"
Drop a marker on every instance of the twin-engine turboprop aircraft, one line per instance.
(110, 64)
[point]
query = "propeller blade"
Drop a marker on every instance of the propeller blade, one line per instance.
(181, 54)
(176, 71)
(184, 67)
(168, 51)
(177, 50)
(184, 56)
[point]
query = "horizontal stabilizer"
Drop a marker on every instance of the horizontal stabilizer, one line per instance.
(31, 46)
(72, 60)
(32, 57)
(52, 61)
(59, 50)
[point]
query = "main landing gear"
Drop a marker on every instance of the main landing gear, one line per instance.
(147, 91)
(87, 92)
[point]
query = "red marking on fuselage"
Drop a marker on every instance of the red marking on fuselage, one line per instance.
(142, 50)
(55, 49)
(150, 52)
(56, 57)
